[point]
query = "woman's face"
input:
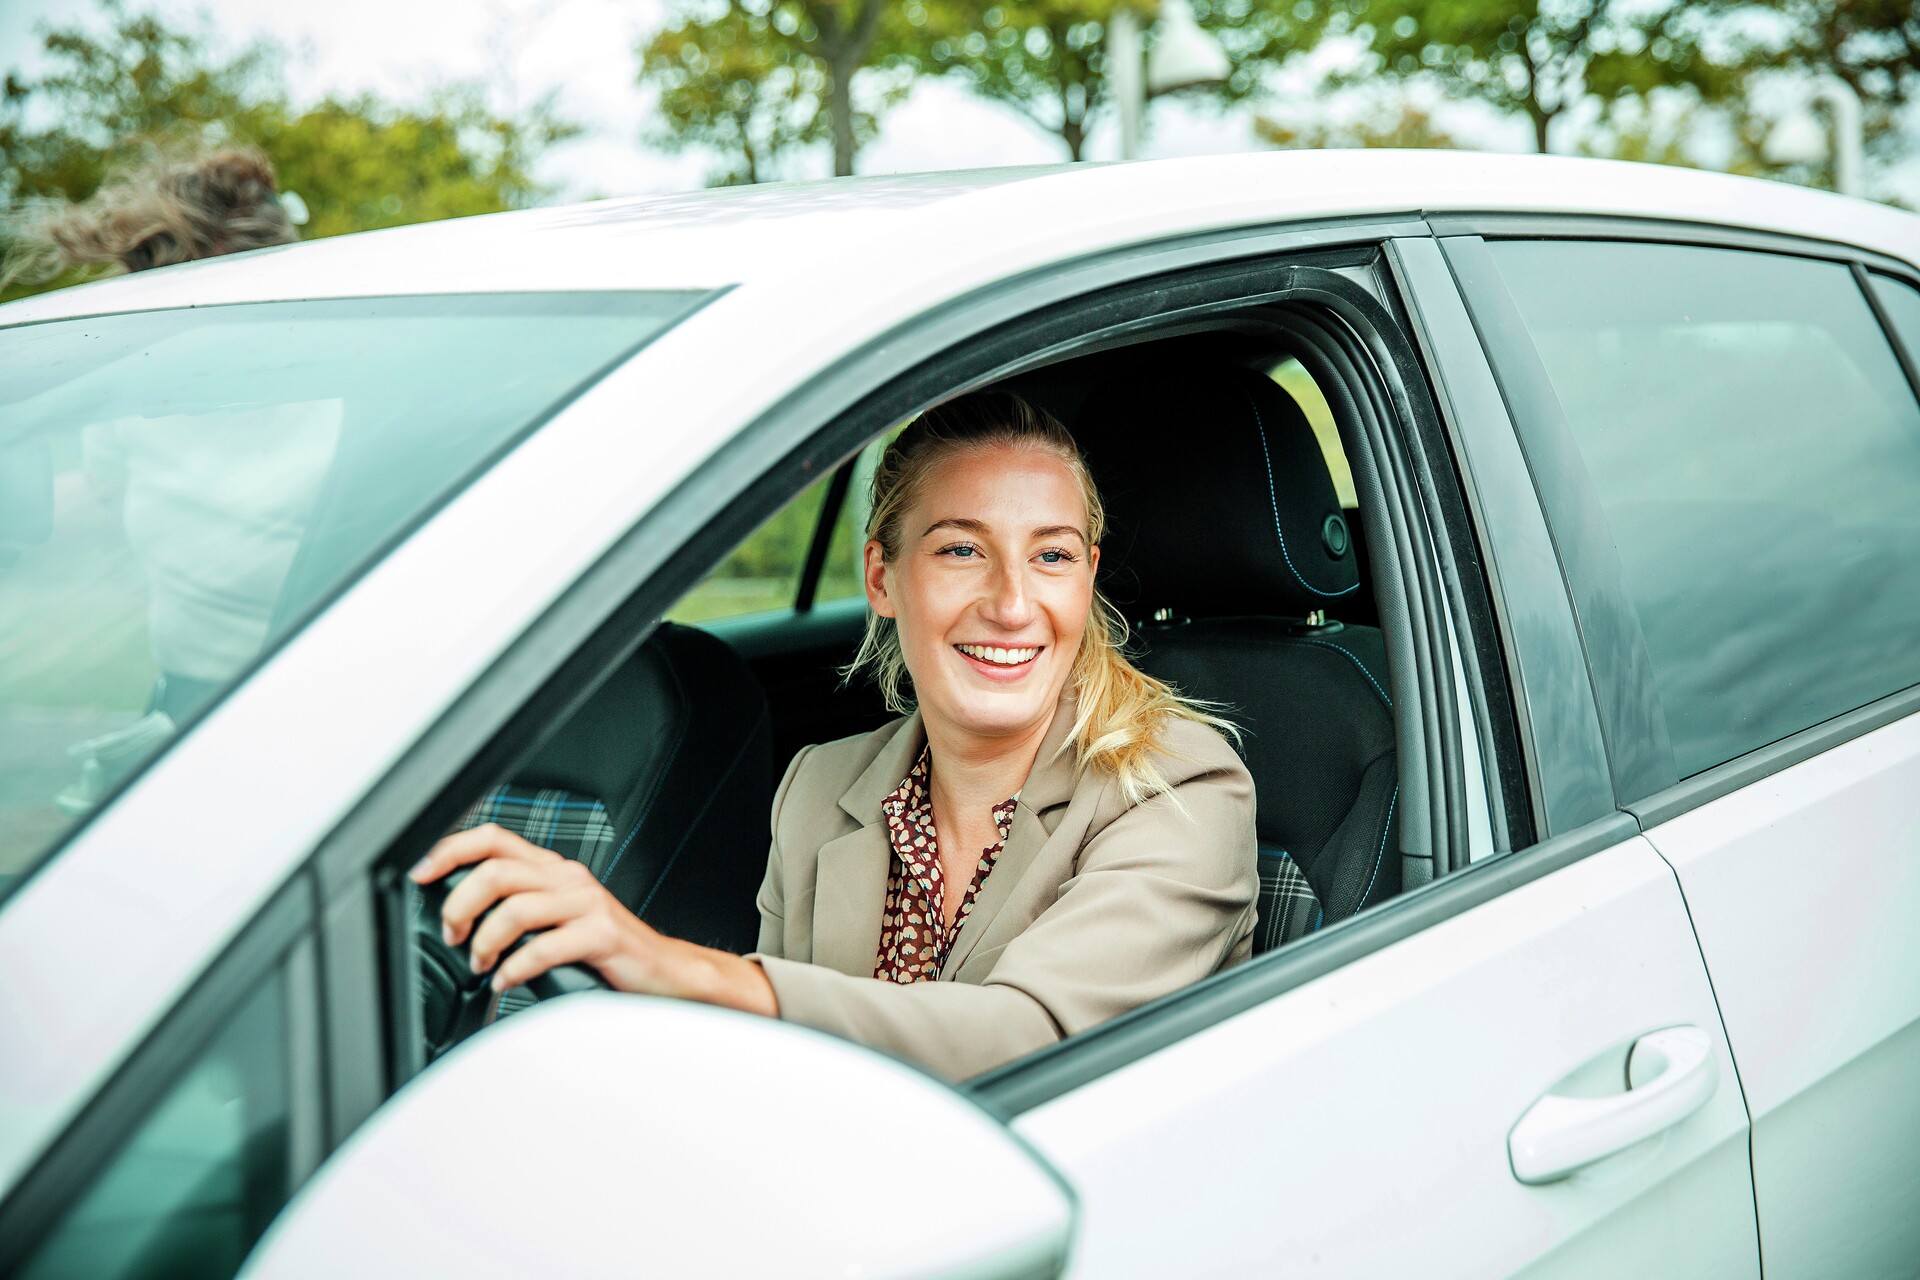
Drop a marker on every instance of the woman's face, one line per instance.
(991, 590)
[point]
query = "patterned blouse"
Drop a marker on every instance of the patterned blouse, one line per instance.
(913, 945)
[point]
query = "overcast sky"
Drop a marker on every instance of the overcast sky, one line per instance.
(584, 49)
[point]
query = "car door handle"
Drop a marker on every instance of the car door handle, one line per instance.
(1670, 1075)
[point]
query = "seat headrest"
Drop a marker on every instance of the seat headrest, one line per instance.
(1218, 497)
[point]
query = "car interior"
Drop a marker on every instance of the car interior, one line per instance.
(1233, 549)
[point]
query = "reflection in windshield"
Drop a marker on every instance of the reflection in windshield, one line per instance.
(213, 507)
(179, 489)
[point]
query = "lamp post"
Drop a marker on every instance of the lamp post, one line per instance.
(1800, 139)
(1183, 55)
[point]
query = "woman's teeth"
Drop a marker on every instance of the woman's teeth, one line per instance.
(993, 653)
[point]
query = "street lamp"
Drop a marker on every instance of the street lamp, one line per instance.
(1800, 139)
(1183, 56)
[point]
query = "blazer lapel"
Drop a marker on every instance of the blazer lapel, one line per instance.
(850, 875)
(1050, 785)
(850, 896)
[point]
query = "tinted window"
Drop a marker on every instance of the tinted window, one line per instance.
(1756, 450)
(198, 1182)
(178, 489)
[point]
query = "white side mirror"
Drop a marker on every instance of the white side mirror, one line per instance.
(608, 1135)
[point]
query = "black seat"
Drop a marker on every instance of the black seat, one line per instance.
(1225, 535)
(661, 783)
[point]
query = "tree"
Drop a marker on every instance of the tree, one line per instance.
(1873, 45)
(361, 163)
(753, 79)
(141, 88)
(1046, 59)
(138, 84)
(1536, 57)
(1401, 125)
(725, 87)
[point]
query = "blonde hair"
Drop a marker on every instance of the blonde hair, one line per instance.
(168, 210)
(1120, 709)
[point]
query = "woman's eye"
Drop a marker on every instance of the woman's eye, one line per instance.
(961, 552)
(1056, 557)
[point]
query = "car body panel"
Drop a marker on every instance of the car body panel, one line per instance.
(1804, 888)
(1301, 1137)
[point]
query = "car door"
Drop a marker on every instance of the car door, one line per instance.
(1408, 1092)
(1744, 431)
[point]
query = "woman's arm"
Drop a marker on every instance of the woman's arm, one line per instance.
(529, 888)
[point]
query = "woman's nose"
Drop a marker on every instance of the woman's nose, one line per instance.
(1008, 603)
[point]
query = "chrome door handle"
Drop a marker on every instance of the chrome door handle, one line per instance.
(1670, 1075)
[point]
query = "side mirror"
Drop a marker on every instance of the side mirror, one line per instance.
(611, 1135)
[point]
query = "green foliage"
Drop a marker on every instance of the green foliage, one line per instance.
(1042, 58)
(1046, 59)
(109, 96)
(1537, 57)
(752, 80)
(734, 86)
(362, 163)
(143, 88)
(1400, 125)
(1873, 45)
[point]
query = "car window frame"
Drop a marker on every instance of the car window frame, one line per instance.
(1005, 350)
(1622, 677)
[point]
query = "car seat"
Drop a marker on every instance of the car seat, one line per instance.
(1228, 552)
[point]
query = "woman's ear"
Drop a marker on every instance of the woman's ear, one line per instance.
(1093, 559)
(875, 576)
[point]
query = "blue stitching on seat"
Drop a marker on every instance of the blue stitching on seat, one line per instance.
(1273, 497)
(1322, 644)
(1380, 853)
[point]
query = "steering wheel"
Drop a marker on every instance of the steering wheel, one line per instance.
(456, 1001)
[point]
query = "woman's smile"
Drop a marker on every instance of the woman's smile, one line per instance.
(1000, 662)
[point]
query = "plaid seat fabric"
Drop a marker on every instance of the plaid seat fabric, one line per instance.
(1289, 909)
(564, 821)
(567, 823)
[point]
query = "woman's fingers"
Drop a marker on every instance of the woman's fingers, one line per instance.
(488, 883)
(518, 914)
(583, 940)
(463, 848)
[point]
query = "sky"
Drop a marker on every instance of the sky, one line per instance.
(583, 50)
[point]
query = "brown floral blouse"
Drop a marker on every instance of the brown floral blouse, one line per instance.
(913, 945)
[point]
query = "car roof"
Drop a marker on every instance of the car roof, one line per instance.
(745, 235)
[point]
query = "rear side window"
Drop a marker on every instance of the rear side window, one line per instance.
(1755, 446)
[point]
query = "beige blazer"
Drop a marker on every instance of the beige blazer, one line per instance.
(1095, 905)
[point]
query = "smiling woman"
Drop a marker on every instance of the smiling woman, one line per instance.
(1046, 838)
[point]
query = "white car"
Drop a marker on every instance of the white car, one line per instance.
(1552, 528)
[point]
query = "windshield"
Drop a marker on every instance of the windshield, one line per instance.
(180, 489)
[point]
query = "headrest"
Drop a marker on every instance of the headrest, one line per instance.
(1218, 497)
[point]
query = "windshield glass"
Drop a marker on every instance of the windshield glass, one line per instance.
(180, 489)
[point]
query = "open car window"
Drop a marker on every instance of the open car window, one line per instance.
(180, 489)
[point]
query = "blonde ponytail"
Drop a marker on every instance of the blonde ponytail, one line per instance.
(1120, 709)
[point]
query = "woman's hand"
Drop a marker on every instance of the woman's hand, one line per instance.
(531, 888)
